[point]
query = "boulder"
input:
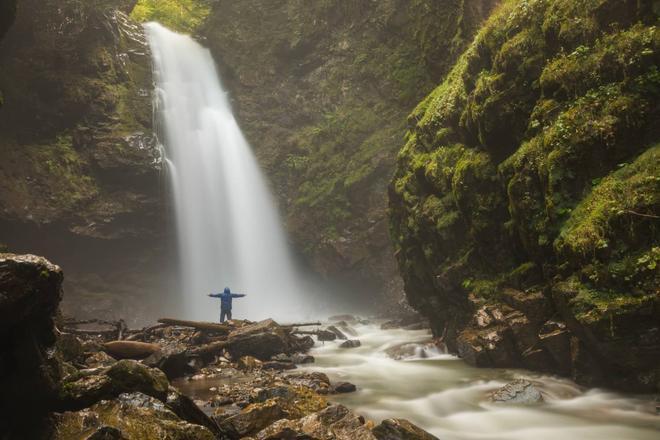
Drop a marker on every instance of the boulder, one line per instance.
(319, 382)
(346, 329)
(400, 429)
(344, 387)
(325, 335)
(253, 419)
(247, 363)
(90, 386)
(489, 347)
(296, 358)
(261, 340)
(131, 416)
(390, 325)
(172, 359)
(269, 405)
(336, 331)
(351, 427)
(520, 391)
(301, 358)
(277, 365)
(335, 422)
(187, 410)
(351, 343)
(301, 343)
(99, 359)
(70, 348)
(30, 292)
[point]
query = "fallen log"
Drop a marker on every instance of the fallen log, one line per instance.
(143, 333)
(91, 332)
(200, 325)
(130, 349)
(302, 324)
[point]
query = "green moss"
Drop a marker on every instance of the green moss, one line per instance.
(66, 169)
(621, 209)
(521, 146)
(591, 305)
(179, 15)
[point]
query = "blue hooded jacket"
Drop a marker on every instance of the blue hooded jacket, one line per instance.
(226, 298)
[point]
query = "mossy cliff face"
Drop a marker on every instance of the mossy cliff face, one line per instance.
(525, 204)
(321, 90)
(79, 176)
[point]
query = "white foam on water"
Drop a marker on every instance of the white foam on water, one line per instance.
(449, 398)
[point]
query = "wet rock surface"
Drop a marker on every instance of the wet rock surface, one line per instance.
(102, 380)
(400, 429)
(30, 292)
(131, 416)
(351, 343)
(520, 391)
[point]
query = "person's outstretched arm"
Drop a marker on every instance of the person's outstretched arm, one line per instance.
(214, 295)
(237, 295)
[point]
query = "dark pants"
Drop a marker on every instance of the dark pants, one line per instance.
(225, 313)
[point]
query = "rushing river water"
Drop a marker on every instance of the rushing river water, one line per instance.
(449, 398)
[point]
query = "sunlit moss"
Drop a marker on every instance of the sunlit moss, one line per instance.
(521, 146)
(179, 15)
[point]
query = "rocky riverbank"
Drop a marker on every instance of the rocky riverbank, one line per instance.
(67, 379)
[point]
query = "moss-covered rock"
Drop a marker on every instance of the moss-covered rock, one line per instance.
(534, 164)
(77, 117)
(132, 416)
(84, 388)
(270, 405)
(30, 292)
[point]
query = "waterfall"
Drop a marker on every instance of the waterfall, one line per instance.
(228, 227)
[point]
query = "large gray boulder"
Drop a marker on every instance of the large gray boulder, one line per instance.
(520, 391)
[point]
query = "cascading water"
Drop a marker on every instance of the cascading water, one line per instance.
(228, 227)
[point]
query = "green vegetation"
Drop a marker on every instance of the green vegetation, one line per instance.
(179, 15)
(538, 148)
(323, 90)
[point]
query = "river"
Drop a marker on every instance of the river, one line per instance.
(449, 398)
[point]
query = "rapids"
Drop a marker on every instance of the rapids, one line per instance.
(448, 398)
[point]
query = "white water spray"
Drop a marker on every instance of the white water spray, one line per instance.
(229, 229)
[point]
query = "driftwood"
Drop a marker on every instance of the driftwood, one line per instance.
(118, 329)
(91, 332)
(130, 349)
(143, 333)
(302, 324)
(200, 325)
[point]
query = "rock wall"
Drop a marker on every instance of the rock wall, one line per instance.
(321, 90)
(79, 176)
(525, 204)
